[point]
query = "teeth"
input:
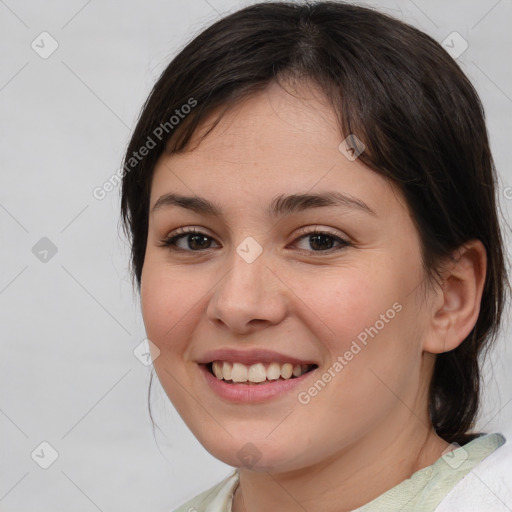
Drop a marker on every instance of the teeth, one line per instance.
(226, 371)
(239, 373)
(258, 372)
(286, 370)
(274, 371)
(217, 370)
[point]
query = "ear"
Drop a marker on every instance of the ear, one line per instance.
(456, 304)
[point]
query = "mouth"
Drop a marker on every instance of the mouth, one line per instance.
(258, 373)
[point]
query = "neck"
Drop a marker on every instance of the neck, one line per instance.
(341, 483)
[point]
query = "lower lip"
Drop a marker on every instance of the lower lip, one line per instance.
(252, 392)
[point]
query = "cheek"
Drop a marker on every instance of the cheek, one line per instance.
(167, 304)
(169, 315)
(362, 319)
(376, 352)
(342, 305)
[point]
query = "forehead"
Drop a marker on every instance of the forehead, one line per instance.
(276, 141)
(274, 120)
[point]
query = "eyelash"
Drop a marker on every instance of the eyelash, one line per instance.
(170, 242)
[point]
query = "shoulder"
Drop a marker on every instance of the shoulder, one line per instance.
(215, 499)
(488, 486)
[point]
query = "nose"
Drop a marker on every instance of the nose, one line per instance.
(249, 296)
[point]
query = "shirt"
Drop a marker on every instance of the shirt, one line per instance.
(422, 492)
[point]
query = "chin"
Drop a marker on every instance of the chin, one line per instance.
(255, 454)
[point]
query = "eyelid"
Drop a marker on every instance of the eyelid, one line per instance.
(303, 232)
(311, 230)
(181, 233)
(306, 231)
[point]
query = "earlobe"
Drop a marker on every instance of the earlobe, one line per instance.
(456, 303)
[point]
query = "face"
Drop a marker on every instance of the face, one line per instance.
(266, 286)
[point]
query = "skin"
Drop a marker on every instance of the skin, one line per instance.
(368, 429)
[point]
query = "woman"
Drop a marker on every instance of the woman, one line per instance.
(309, 194)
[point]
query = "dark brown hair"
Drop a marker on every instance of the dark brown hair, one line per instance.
(400, 93)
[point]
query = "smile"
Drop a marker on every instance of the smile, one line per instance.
(258, 372)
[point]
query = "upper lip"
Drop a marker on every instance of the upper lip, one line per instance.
(250, 357)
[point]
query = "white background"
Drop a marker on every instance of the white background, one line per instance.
(69, 325)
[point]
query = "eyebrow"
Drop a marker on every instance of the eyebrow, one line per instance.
(279, 206)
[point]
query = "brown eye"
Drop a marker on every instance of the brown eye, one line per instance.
(191, 240)
(322, 241)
